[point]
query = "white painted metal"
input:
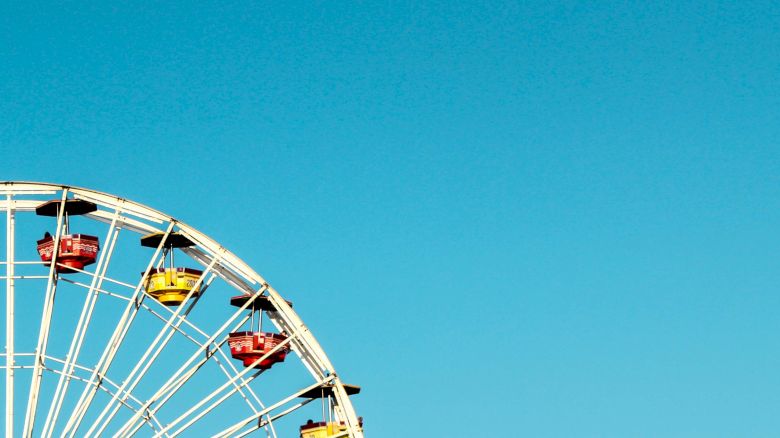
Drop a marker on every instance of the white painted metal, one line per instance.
(187, 370)
(43, 335)
(108, 386)
(227, 366)
(234, 272)
(9, 317)
(237, 426)
(82, 326)
(151, 353)
(222, 388)
(131, 310)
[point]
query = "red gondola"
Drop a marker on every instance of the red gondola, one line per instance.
(75, 250)
(250, 346)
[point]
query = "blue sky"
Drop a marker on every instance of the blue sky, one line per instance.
(540, 219)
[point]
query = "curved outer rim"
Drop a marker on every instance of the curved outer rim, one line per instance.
(309, 350)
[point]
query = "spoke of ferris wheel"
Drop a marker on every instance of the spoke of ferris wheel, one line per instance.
(226, 365)
(9, 316)
(217, 391)
(43, 335)
(224, 397)
(185, 372)
(290, 338)
(143, 305)
(179, 379)
(81, 328)
(157, 315)
(204, 259)
(153, 351)
(103, 387)
(290, 329)
(114, 343)
(231, 430)
(271, 418)
(135, 300)
(165, 429)
(170, 388)
(106, 386)
(232, 371)
(178, 329)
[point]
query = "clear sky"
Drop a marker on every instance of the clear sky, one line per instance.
(546, 219)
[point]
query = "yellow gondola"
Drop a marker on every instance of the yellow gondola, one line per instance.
(322, 429)
(171, 285)
(327, 428)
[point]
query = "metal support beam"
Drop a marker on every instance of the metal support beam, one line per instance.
(9, 317)
(43, 334)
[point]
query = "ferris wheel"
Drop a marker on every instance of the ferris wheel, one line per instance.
(121, 321)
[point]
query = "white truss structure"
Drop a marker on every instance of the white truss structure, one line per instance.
(68, 392)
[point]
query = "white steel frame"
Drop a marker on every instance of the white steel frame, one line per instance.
(121, 214)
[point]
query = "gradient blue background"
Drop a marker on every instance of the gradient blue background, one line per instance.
(547, 219)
